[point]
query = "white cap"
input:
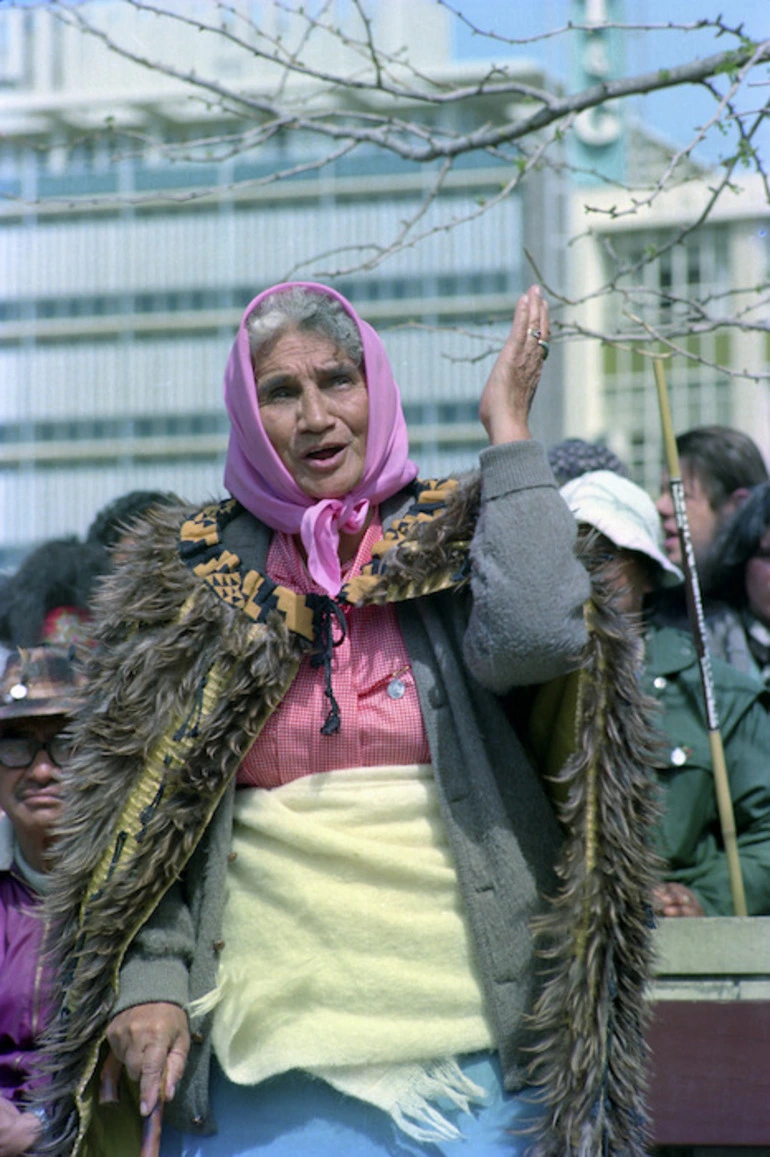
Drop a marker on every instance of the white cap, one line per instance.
(624, 513)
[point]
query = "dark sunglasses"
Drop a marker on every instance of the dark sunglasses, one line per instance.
(21, 751)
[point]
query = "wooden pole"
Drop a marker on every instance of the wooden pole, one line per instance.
(152, 1126)
(698, 627)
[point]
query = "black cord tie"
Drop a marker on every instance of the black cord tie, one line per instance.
(326, 613)
(189, 726)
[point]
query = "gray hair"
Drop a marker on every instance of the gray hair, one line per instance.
(305, 310)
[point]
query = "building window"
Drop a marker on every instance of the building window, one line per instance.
(680, 293)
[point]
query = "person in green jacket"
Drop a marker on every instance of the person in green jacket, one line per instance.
(619, 539)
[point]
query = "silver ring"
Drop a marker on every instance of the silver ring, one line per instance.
(536, 334)
(545, 347)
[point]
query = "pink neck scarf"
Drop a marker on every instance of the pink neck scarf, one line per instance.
(255, 475)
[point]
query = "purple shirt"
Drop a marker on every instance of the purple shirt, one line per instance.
(23, 990)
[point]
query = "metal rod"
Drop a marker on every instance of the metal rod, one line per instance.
(698, 627)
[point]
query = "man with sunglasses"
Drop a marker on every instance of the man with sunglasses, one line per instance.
(38, 690)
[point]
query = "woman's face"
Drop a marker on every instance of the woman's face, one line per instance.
(627, 576)
(758, 580)
(314, 406)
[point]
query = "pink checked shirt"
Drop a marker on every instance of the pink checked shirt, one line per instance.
(376, 727)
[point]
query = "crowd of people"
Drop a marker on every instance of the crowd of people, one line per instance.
(348, 803)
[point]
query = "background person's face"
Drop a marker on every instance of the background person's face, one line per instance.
(31, 796)
(757, 580)
(701, 516)
(627, 575)
(314, 406)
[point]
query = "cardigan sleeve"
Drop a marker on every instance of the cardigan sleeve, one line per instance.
(528, 589)
(156, 966)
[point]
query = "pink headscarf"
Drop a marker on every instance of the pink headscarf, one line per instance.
(255, 475)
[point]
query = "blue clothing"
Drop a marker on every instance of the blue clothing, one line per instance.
(293, 1115)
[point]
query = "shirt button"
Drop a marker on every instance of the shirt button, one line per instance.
(198, 1122)
(218, 945)
(659, 682)
(397, 689)
(232, 857)
(197, 1038)
(678, 756)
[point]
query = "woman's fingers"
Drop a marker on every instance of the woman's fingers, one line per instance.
(511, 385)
(152, 1041)
(109, 1080)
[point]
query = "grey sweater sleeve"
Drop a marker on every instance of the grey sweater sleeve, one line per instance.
(526, 623)
(156, 966)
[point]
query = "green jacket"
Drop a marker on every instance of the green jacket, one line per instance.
(689, 832)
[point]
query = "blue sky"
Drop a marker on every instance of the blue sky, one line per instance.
(671, 114)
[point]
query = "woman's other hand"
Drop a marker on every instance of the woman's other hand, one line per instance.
(510, 388)
(18, 1131)
(148, 1039)
(676, 900)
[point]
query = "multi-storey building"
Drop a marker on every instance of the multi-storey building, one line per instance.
(128, 254)
(132, 235)
(654, 255)
(705, 291)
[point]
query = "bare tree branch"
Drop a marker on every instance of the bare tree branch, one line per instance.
(368, 127)
(360, 98)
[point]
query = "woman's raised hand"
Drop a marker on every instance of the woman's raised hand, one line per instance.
(510, 388)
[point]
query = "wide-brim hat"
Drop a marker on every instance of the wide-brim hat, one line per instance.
(623, 513)
(39, 681)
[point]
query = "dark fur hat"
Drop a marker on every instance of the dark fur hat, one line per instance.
(62, 572)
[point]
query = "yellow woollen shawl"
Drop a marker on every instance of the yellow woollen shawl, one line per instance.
(346, 952)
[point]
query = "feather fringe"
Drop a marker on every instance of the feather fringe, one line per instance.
(590, 1058)
(137, 681)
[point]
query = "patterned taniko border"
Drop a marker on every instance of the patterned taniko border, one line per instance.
(203, 551)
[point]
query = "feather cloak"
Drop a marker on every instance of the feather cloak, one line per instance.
(214, 649)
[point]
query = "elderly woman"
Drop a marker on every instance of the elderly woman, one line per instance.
(304, 843)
